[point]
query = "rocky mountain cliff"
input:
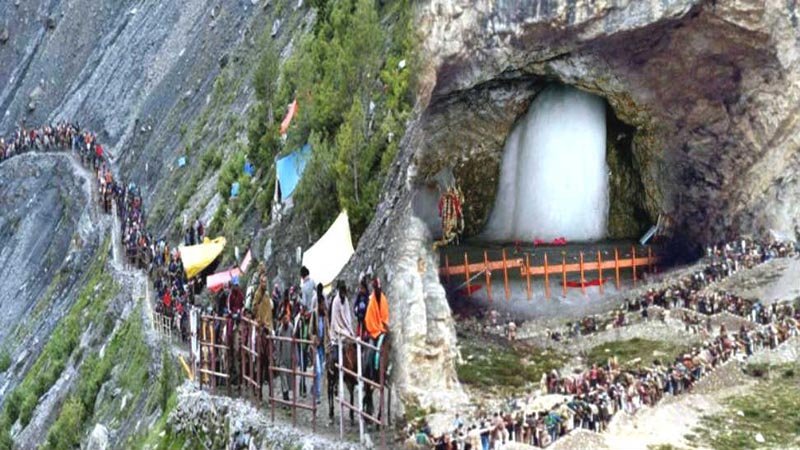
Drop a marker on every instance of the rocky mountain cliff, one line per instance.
(48, 238)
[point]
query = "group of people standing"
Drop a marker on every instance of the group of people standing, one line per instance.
(304, 311)
(593, 396)
(47, 138)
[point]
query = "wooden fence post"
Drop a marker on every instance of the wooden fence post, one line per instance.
(600, 269)
(466, 273)
(528, 273)
(488, 275)
(564, 273)
(633, 263)
(616, 265)
(295, 380)
(505, 276)
(546, 278)
(583, 280)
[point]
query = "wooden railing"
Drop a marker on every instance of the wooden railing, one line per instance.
(584, 266)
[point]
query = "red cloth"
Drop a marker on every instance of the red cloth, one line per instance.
(456, 204)
(587, 283)
(557, 242)
(98, 150)
(236, 300)
(472, 289)
(167, 299)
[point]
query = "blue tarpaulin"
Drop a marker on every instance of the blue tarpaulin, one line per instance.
(249, 169)
(290, 168)
(181, 161)
(235, 190)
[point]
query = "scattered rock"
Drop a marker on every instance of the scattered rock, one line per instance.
(98, 440)
(51, 23)
(4, 35)
(223, 60)
(276, 25)
(36, 94)
(760, 438)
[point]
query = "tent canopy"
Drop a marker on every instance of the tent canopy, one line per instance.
(290, 168)
(328, 256)
(217, 281)
(197, 257)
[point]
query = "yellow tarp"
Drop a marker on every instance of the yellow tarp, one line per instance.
(197, 257)
(328, 256)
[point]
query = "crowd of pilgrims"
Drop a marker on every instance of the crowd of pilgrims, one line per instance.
(291, 310)
(593, 396)
(62, 136)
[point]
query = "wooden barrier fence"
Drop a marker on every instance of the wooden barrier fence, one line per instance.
(361, 380)
(294, 375)
(250, 358)
(471, 270)
(216, 356)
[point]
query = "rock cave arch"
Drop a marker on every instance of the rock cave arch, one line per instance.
(471, 133)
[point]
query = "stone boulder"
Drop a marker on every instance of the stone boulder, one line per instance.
(98, 439)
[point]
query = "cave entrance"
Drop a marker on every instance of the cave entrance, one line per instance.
(554, 179)
(566, 168)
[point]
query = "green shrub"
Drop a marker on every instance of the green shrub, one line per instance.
(66, 432)
(231, 171)
(90, 306)
(13, 405)
(165, 380)
(5, 361)
(211, 160)
(354, 101)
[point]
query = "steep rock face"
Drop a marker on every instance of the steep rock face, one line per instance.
(707, 93)
(134, 71)
(46, 240)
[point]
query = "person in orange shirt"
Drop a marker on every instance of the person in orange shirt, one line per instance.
(377, 318)
(377, 324)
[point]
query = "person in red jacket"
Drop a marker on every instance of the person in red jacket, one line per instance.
(236, 297)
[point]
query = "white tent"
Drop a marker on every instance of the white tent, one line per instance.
(328, 256)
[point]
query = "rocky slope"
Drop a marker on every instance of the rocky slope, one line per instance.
(47, 239)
